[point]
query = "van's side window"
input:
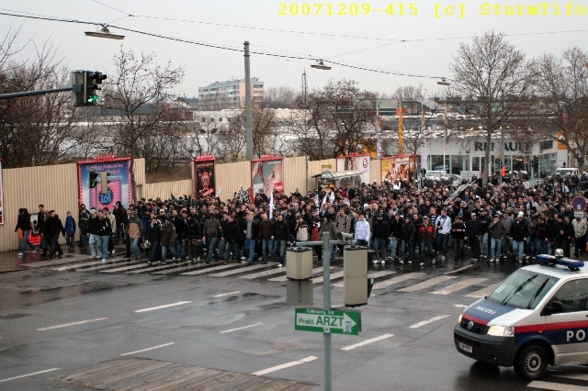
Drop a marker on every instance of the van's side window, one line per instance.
(573, 295)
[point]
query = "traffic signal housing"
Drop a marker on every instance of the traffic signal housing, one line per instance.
(92, 179)
(104, 182)
(85, 85)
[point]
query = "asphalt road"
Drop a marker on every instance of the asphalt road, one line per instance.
(56, 319)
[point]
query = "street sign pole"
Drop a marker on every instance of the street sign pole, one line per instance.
(327, 306)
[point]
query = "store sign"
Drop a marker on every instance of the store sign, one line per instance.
(508, 146)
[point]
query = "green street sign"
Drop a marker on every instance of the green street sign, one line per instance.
(324, 321)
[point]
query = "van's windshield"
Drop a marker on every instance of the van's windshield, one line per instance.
(522, 289)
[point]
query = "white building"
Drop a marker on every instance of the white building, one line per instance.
(229, 94)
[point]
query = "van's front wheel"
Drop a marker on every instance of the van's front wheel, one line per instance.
(531, 362)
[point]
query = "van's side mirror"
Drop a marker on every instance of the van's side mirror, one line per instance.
(553, 307)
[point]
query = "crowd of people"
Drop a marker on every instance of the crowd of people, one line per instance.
(401, 222)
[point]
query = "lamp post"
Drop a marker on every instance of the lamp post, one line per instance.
(248, 131)
(444, 82)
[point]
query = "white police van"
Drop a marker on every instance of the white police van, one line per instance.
(537, 316)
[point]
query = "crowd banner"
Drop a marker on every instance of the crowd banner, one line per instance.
(398, 168)
(355, 162)
(1, 195)
(267, 174)
(204, 185)
(104, 181)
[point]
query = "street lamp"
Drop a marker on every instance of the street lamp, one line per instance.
(104, 33)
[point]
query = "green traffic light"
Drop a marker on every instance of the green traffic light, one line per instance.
(93, 98)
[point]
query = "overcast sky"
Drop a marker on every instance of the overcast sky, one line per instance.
(421, 44)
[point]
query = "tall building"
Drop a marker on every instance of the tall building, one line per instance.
(229, 94)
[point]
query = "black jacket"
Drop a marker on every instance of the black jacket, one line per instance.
(54, 226)
(23, 222)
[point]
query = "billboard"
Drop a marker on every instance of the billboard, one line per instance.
(204, 171)
(1, 196)
(267, 174)
(397, 168)
(355, 162)
(104, 181)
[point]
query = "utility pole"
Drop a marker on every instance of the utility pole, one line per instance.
(249, 135)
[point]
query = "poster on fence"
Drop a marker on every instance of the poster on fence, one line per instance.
(104, 181)
(1, 195)
(267, 174)
(204, 171)
(398, 168)
(355, 162)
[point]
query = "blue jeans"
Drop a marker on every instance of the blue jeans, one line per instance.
(119, 229)
(102, 245)
(380, 248)
(155, 251)
(393, 246)
(540, 246)
(267, 247)
(164, 249)
(361, 242)
(442, 243)
(495, 248)
(180, 247)
(518, 246)
(483, 239)
(280, 250)
(25, 241)
(84, 240)
(135, 247)
(212, 243)
(250, 249)
(425, 246)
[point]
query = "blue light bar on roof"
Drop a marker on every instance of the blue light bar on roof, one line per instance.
(550, 260)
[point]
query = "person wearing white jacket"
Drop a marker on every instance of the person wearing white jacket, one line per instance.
(443, 224)
(362, 231)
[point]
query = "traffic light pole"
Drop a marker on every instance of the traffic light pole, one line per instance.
(38, 92)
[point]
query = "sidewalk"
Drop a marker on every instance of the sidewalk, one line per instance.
(11, 262)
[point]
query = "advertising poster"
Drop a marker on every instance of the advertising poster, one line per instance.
(355, 162)
(205, 183)
(114, 173)
(267, 175)
(1, 196)
(397, 168)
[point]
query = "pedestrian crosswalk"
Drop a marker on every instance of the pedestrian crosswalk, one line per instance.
(393, 280)
(557, 381)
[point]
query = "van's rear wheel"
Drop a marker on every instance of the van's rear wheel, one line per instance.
(531, 362)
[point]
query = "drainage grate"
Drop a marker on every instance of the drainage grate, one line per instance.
(14, 316)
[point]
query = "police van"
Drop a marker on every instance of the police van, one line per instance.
(536, 317)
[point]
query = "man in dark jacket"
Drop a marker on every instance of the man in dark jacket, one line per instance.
(473, 231)
(485, 222)
(54, 227)
(251, 233)
(233, 237)
(121, 217)
(266, 229)
(458, 230)
(281, 238)
(518, 235)
(84, 226)
(380, 233)
(212, 233)
(24, 224)
(562, 235)
(193, 238)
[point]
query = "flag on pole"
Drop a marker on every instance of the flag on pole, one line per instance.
(332, 196)
(324, 201)
(271, 206)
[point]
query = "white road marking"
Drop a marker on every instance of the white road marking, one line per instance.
(460, 269)
(29, 374)
(367, 342)
(576, 376)
(334, 276)
(459, 286)
(180, 268)
(163, 306)
(483, 292)
(85, 265)
(396, 280)
(555, 386)
(71, 324)
(263, 274)
(424, 322)
(239, 270)
(426, 284)
(146, 350)
(374, 275)
(283, 366)
(141, 264)
(151, 268)
(240, 328)
(209, 269)
(227, 294)
(285, 278)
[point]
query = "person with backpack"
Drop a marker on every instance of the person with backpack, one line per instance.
(301, 230)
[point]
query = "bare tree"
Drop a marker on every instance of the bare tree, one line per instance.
(336, 120)
(279, 98)
(562, 86)
(139, 100)
(495, 80)
(410, 93)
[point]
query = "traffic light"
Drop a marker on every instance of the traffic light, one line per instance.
(92, 83)
(92, 179)
(85, 85)
(104, 182)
